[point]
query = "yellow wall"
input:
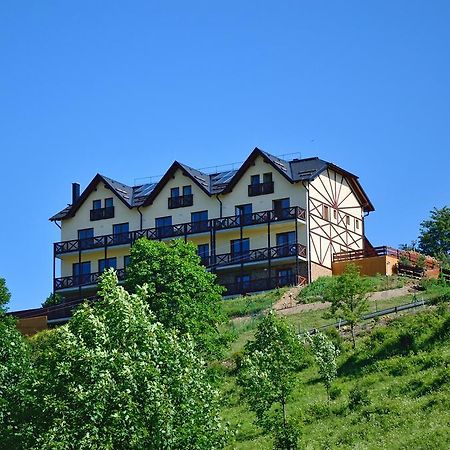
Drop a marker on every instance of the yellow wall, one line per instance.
(282, 189)
(159, 208)
(70, 227)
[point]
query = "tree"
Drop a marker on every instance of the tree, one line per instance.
(434, 238)
(52, 300)
(325, 354)
(181, 293)
(5, 295)
(348, 295)
(267, 377)
(15, 383)
(114, 378)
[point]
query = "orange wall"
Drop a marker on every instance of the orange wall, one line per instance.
(32, 325)
(383, 265)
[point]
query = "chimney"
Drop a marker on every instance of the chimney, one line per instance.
(75, 192)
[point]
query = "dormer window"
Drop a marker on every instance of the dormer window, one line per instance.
(179, 201)
(99, 213)
(257, 188)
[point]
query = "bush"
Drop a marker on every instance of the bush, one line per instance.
(358, 396)
(335, 392)
(315, 291)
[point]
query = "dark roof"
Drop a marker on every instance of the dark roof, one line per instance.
(296, 170)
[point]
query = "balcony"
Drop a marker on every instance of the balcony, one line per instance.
(102, 213)
(82, 280)
(180, 230)
(259, 254)
(181, 201)
(263, 217)
(260, 189)
(263, 284)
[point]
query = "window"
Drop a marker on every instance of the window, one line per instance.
(106, 264)
(203, 252)
(164, 226)
(199, 221)
(126, 260)
(326, 212)
(285, 243)
(267, 177)
(243, 282)
(81, 273)
(347, 220)
(121, 233)
(99, 213)
(86, 238)
(285, 277)
(240, 249)
(254, 179)
(357, 224)
(179, 201)
(244, 213)
(281, 208)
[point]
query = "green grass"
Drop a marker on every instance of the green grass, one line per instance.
(405, 369)
(313, 292)
(251, 304)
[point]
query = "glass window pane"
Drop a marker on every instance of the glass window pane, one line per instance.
(96, 204)
(108, 202)
(187, 190)
(175, 192)
(254, 179)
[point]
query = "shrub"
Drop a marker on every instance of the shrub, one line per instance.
(358, 396)
(335, 392)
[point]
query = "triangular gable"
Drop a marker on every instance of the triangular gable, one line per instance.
(111, 184)
(354, 183)
(197, 177)
(273, 161)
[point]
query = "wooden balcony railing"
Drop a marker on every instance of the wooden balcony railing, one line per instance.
(181, 201)
(383, 251)
(263, 284)
(181, 230)
(260, 189)
(82, 280)
(259, 254)
(102, 213)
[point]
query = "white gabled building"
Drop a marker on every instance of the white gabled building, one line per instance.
(270, 223)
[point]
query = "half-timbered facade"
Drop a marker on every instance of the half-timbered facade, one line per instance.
(270, 223)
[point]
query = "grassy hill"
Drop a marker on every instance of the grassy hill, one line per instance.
(392, 393)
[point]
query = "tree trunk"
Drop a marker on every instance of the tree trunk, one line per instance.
(352, 327)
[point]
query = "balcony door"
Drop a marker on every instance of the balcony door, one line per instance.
(163, 226)
(121, 233)
(285, 277)
(86, 238)
(81, 273)
(281, 208)
(285, 243)
(199, 221)
(244, 214)
(240, 250)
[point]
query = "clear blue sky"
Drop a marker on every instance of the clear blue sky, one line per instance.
(124, 88)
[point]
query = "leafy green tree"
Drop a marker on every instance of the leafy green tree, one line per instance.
(434, 237)
(267, 377)
(52, 300)
(325, 354)
(181, 293)
(15, 383)
(114, 378)
(348, 295)
(5, 295)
